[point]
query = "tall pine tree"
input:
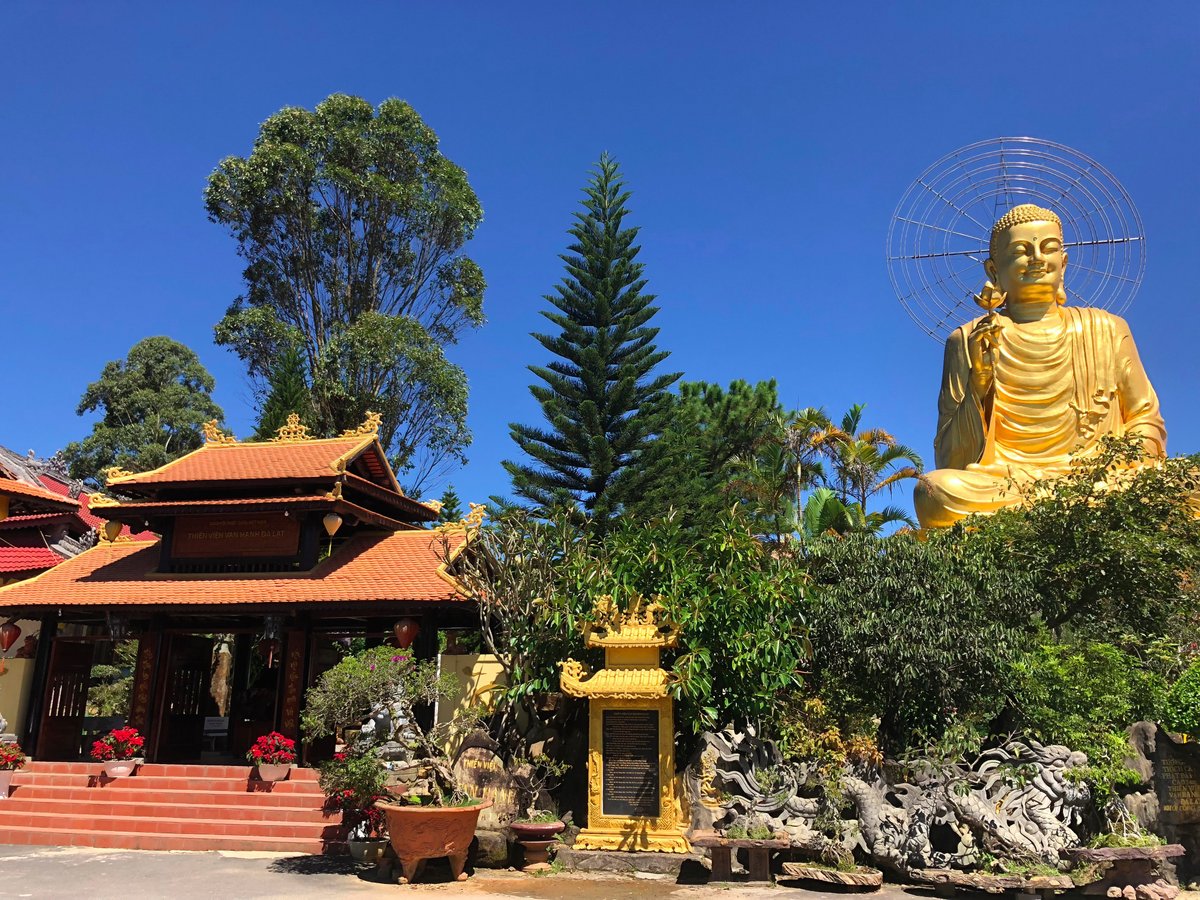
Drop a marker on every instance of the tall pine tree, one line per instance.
(451, 510)
(600, 397)
(289, 393)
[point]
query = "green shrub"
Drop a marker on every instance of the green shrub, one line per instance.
(1181, 708)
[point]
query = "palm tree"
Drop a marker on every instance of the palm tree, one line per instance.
(786, 461)
(867, 461)
(825, 513)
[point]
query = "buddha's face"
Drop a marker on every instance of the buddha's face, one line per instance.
(1028, 256)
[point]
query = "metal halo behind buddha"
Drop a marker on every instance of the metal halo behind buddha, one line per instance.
(938, 237)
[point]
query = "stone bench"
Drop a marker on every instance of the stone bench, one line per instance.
(721, 849)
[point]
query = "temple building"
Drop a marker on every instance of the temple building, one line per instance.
(253, 568)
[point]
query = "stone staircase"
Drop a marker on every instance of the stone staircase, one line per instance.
(167, 807)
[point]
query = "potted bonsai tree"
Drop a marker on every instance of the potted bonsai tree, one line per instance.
(12, 757)
(119, 752)
(537, 829)
(273, 754)
(427, 816)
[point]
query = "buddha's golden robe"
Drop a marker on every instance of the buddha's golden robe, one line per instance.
(1061, 384)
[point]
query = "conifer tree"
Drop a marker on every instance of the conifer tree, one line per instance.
(451, 510)
(600, 397)
(289, 393)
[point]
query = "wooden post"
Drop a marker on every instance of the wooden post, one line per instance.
(293, 682)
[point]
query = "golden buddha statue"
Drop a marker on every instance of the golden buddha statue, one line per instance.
(1032, 383)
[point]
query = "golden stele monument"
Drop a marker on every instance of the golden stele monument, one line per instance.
(633, 803)
(1036, 380)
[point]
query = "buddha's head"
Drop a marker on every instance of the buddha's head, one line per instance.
(1027, 259)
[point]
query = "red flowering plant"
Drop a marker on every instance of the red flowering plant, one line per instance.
(12, 757)
(352, 782)
(273, 749)
(120, 743)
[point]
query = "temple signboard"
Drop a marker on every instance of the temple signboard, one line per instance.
(210, 537)
(632, 800)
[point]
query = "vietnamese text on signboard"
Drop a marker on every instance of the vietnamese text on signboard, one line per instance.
(629, 754)
(213, 537)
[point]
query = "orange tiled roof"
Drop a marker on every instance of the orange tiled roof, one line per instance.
(13, 488)
(26, 559)
(405, 565)
(255, 461)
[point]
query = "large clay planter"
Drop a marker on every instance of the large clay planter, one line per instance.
(273, 771)
(119, 768)
(419, 833)
(536, 838)
(5, 782)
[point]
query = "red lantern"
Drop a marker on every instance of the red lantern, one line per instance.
(406, 631)
(9, 632)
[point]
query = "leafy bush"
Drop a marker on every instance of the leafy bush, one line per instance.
(1181, 708)
(739, 604)
(1109, 547)
(1083, 694)
(915, 633)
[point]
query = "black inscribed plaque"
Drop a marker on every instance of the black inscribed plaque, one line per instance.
(1177, 773)
(629, 750)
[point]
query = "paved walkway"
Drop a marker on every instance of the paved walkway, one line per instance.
(121, 875)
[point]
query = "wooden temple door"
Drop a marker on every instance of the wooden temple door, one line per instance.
(65, 704)
(186, 701)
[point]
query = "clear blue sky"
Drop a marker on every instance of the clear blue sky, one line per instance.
(766, 144)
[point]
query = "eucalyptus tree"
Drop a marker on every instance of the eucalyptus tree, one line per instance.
(352, 224)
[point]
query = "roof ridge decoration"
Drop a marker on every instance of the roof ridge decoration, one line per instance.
(470, 523)
(293, 432)
(116, 472)
(214, 435)
(369, 427)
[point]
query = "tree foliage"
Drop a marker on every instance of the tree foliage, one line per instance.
(739, 606)
(153, 405)
(688, 467)
(287, 394)
(916, 633)
(451, 510)
(1111, 546)
(599, 395)
(352, 224)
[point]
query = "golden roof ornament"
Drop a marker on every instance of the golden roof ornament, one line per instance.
(214, 435)
(473, 521)
(100, 501)
(293, 432)
(113, 472)
(642, 625)
(369, 426)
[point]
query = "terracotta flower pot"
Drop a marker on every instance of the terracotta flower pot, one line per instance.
(119, 768)
(5, 781)
(536, 838)
(273, 771)
(419, 833)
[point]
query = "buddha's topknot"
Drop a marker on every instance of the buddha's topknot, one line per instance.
(1019, 215)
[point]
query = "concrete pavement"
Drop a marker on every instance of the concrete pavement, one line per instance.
(122, 875)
